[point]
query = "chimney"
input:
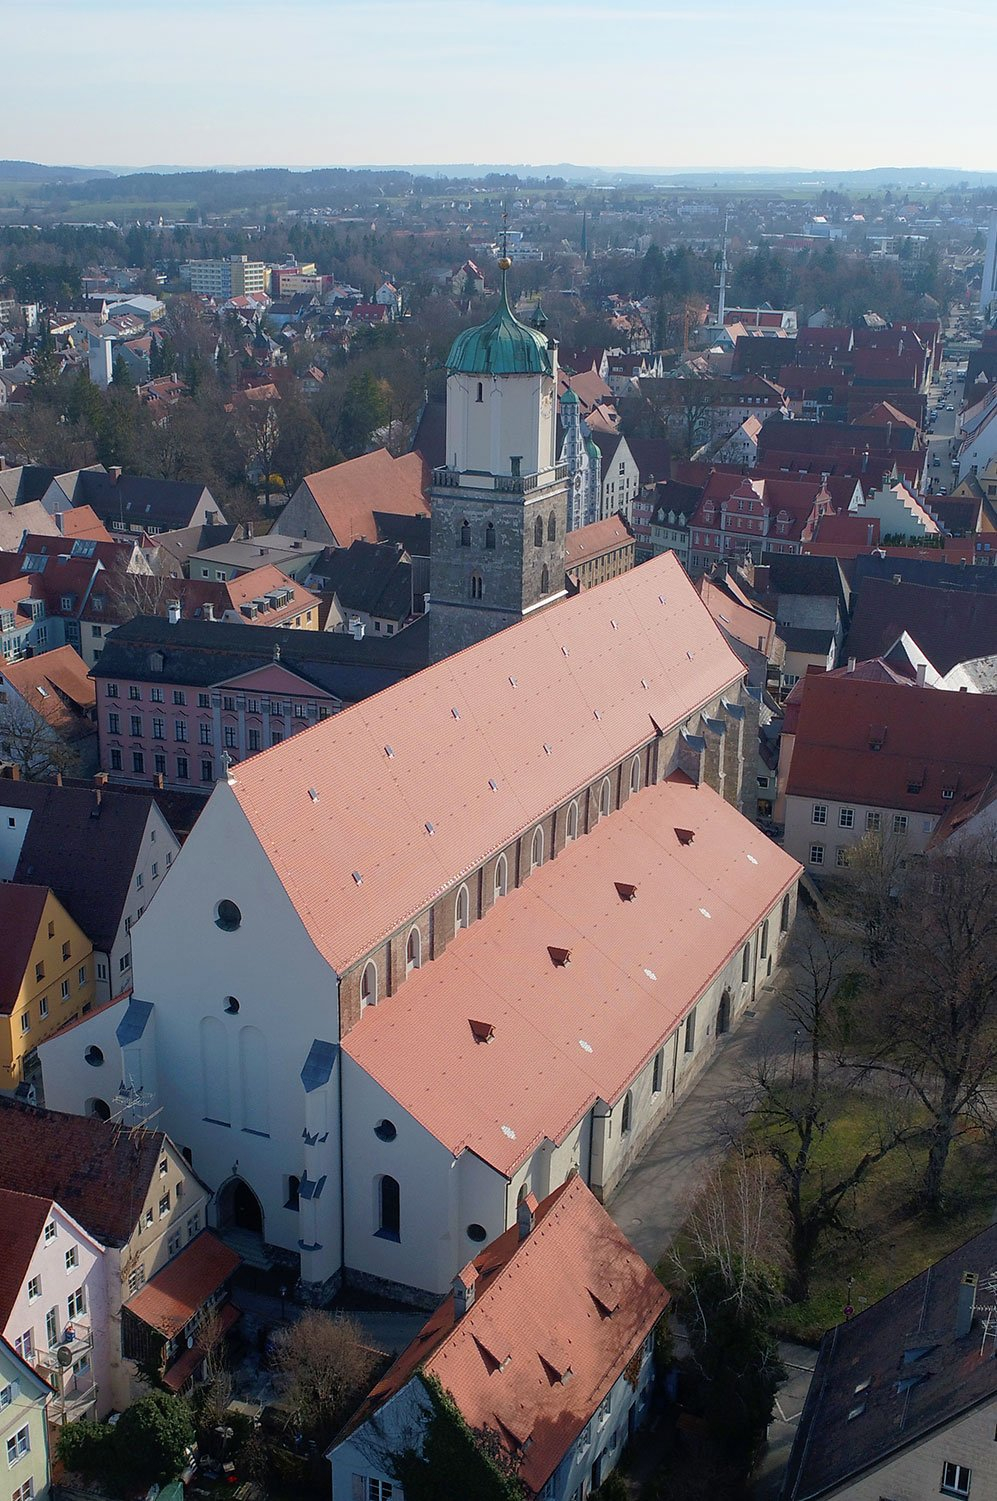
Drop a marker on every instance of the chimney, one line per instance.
(966, 1306)
(101, 779)
(463, 1289)
(3, 462)
(173, 612)
(15, 773)
(114, 473)
(357, 630)
(526, 1215)
(159, 781)
(851, 664)
(922, 672)
(209, 611)
(870, 529)
(896, 578)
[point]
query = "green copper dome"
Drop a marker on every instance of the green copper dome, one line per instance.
(502, 346)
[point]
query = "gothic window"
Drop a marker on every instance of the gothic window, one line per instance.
(545, 580)
(481, 392)
(537, 851)
(465, 533)
(552, 527)
(571, 823)
(477, 586)
(627, 1120)
(538, 532)
(765, 939)
(413, 951)
(635, 774)
(501, 876)
(490, 535)
(605, 799)
(368, 986)
(462, 909)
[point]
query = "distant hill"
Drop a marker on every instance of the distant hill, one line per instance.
(38, 172)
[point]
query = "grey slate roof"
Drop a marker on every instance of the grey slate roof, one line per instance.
(202, 653)
(138, 499)
(84, 843)
(806, 639)
(368, 576)
(894, 1373)
(949, 625)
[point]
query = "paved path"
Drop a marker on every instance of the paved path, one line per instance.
(652, 1202)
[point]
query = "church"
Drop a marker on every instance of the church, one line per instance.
(471, 936)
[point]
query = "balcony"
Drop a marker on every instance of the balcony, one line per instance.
(508, 484)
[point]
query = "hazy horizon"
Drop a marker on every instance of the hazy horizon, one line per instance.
(843, 87)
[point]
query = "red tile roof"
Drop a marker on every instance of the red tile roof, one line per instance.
(23, 1217)
(170, 1299)
(348, 494)
(936, 745)
(592, 541)
(55, 684)
(570, 1032)
(176, 1376)
(589, 678)
(542, 1301)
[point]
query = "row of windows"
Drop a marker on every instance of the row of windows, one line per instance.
(369, 981)
(464, 537)
(115, 760)
(846, 819)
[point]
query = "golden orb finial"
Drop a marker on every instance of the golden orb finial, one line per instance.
(504, 263)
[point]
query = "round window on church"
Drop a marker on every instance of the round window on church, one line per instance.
(477, 1232)
(385, 1130)
(228, 916)
(94, 1056)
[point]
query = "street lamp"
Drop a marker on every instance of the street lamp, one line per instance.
(796, 1044)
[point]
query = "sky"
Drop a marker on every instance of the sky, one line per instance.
(694, 84)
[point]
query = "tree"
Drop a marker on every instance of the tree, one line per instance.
(936, 999)
(730, 1269)
(30, 743)
(152, 1437)
(259, 428)
(794, 1111)
(323, 1366)
(365, 408)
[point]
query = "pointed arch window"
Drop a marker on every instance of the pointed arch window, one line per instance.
(628, 1109)
(538, 532)
(545, 580)
(552, 527)
(462, 909)
(490, 536)
(605, 799)
(389, 1208)
(537, 850)
(481, 392)
(368, 986)
(477, 586)
(413, 951)
(465, 533)
(635, 774)
(501, 877)
(571, 823)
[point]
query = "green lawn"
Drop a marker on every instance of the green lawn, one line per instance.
(888, 1240)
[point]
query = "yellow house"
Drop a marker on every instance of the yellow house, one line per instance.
(24, 1453)
(46, 975)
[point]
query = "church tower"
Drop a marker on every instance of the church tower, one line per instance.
(499, 503)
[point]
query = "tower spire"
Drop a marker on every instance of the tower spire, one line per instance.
(504, 261)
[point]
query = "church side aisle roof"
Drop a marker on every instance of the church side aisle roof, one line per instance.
(399, 788)
(554, 1033)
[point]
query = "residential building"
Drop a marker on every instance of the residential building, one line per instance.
(23, 625)
(180, 702)
(128, 1188)
(46, 976)
(86, 587)
(883, 758)
(619, 476)
(102, 852)
(597, 552)
(53, 1304)
(336, 506)
(47, 715)
(24, 1396)
(547, 1339)
(367, 586)
(738, 514)
(171, 1324)
(903, 1399)
(132, 503)
(263, 596)
(502, 793)
(237, 276)
(224, 561)
(950, 624)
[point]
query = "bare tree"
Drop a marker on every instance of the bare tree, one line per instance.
(936, 999)
(738, 1223)
(323, 1366)
(796, 1109)
(30, 743)
(259, 429)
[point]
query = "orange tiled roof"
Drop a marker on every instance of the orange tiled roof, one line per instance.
(348, 494)
(538, 1298)
(567, 1034)
(45, 681)
(591, 541)
(538, 710)
(170, 1299)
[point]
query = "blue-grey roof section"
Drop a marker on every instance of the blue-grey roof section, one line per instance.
(319, 1064)
(134, 1022)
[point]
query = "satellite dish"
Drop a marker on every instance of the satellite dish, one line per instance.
(64, 1356)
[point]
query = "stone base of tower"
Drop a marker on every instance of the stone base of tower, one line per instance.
(454, 627)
